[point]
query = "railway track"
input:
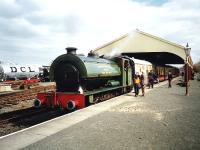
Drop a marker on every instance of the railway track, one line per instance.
(20, 119)
(13, 98)
(16, 116)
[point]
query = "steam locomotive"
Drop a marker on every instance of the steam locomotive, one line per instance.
(82, 81)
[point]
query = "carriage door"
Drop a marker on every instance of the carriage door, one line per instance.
(126, 72)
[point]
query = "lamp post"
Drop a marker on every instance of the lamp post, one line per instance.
(187, 52)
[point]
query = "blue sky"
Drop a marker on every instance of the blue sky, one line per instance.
(152, 2)
(33, 31)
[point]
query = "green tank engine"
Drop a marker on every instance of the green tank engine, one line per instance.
(81, 81)
(71, 71)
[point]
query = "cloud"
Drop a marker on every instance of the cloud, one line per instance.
(37, 31)
(17, 8)
(17, 28)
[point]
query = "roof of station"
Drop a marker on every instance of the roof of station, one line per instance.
(145, 46)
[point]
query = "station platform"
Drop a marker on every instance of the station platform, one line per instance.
(163, 119)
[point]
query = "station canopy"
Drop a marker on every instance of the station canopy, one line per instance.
(147, 47)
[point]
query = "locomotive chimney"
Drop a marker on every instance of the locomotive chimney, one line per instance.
(71, 50)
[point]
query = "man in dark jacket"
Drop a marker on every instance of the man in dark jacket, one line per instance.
(150, 79)
(169, 79)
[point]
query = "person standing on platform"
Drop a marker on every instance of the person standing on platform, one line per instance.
(136, 84)
(150, 79)
(169, 79)
(142, 83)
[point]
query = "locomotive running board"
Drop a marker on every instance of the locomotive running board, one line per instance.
(103, 90)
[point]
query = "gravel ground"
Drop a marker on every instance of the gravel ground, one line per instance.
(21, 105)
(163, 119)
